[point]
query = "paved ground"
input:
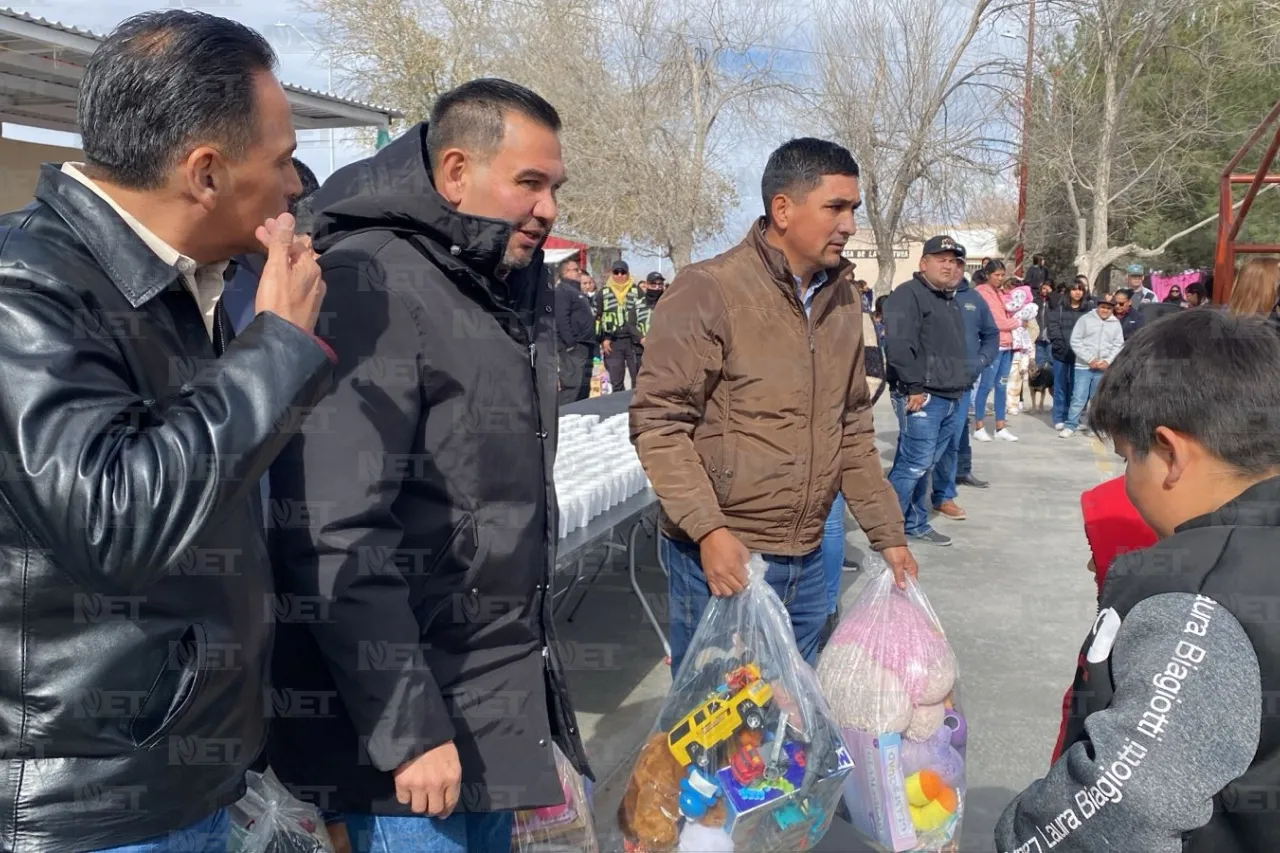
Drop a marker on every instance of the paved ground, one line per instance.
(1012, 593)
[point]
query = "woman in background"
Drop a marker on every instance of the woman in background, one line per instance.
(1257, 288)
(997, 375)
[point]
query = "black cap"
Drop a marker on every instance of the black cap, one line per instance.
(654, 276)
(943, 243)
(620, 266)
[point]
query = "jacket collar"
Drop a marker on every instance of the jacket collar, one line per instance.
(938, 292)
(571, 284)
(775, 264)
(136, 271)
(1256, 506)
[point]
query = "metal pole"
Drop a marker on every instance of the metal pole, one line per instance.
(330, 61)
(1024, 166)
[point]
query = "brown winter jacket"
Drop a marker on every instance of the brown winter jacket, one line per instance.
(745, 418)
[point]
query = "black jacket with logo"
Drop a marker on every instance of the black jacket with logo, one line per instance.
(925, 342)
(422, 554)
(135, 590)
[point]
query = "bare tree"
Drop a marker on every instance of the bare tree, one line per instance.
(653, 93)
(915, 103)
(1111, 159)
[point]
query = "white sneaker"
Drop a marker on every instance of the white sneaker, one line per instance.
(1005, 435)
(981, 435)
(1066, 433)
(1059, 427)
(1016, 409)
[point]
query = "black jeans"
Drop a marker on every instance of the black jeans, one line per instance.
(624, 357)
(575, 373)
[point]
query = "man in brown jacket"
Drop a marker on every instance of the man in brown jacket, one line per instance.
(751, 409)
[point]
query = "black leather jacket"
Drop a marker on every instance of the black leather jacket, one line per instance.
(135, 593)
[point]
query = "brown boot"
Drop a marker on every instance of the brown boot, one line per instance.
(951, 510)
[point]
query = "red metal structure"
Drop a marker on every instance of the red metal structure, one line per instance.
(1230, 220)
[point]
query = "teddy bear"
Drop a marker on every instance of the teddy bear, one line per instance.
(649, 814)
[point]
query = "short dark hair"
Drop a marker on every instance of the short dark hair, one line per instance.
(795, 168)
(1126, 292)
(1038, 260)
(1197, 288)
(564, 262)
(306, 176)
(300, 207)
(162, 81)
(473, 115)
(1210, 375)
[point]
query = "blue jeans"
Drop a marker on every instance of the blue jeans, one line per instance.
(1063, 374)
(956, 460)
(923, 437)
(800, 582)
(1082, 387)
(997, 376)
(489, 832)
(211, 835)
(833, 551)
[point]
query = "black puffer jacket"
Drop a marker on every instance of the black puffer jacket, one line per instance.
(426, 557)
(1062, 322)
(134, 585)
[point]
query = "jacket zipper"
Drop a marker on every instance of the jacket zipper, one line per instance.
(813, 392)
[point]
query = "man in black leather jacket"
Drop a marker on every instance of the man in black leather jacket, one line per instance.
(135, 594)
(434, 651)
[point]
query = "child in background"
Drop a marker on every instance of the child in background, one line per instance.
(1161, 752)
(1021, 306)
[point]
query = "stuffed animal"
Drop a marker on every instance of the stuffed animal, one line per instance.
(649, 813)
(937, 754)
(862, 694)
(925, 722)
(900, 636)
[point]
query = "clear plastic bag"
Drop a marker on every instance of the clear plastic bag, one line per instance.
(567, 828)
(889, 675)
(268, 819)
(745, 754)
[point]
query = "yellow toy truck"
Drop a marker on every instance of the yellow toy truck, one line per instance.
(739, 702)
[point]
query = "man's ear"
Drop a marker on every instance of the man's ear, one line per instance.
(451, 175)
(1176, 451)
(780, 211)
(203, 174)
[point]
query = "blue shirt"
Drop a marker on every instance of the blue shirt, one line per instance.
(806, 298)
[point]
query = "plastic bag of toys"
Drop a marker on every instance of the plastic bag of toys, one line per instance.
(745, 755)
(567, 828)
(268, 819)
(889, 675)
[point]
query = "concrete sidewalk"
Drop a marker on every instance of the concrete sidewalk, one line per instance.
(1012, 593)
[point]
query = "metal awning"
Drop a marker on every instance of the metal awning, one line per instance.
(41, 63)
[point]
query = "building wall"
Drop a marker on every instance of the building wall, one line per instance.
(20, 167)
(861, 250)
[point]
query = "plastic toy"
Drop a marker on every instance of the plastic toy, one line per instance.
(698, 793)
(932, 803)
(954, 721)
(746, 765)
(719, 718)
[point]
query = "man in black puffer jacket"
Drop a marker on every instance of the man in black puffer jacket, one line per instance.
(431, 561)
(135, 591)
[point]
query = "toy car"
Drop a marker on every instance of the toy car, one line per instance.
(746, 765)
(718, 719)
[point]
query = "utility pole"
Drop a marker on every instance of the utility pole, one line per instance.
(1024, 165)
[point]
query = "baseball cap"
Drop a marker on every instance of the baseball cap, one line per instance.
(1135, 269)
(620, 266)
(943, 243)
(655, 276)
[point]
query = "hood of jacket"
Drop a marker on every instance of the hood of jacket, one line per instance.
(393, 191)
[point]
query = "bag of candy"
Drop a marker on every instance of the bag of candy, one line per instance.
(889, 675)
(745, 755)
